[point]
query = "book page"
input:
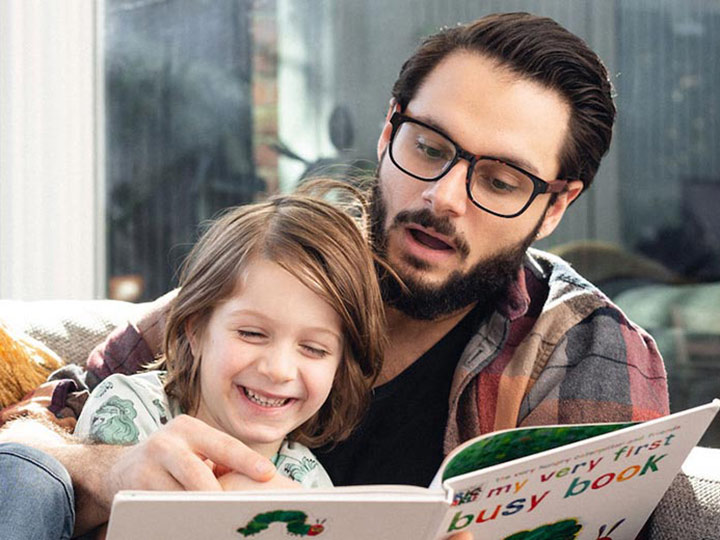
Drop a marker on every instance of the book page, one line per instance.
(606, 486)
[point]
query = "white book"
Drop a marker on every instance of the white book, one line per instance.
(584, 481)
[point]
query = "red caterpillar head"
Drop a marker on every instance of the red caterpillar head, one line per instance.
(316, 529)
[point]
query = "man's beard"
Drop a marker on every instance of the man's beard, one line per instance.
(485, 283)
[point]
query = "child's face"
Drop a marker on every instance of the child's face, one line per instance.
(269, 356)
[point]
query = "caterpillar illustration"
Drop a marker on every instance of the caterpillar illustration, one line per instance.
(566, 529)
(294, 519)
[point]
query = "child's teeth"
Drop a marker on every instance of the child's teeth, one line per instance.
(265, 402)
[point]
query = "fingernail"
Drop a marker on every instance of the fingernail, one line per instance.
(263, 466)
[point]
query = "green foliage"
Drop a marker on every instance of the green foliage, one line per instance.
(514, 444)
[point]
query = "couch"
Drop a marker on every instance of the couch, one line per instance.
(689, 510)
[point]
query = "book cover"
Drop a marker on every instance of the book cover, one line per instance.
(590, 481)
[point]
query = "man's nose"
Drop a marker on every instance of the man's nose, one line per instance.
(448, 195)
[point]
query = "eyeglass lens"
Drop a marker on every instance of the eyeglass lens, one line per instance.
(427, 154)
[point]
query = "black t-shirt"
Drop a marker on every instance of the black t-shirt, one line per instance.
(400, 440)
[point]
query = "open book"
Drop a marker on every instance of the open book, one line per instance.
(591, 481)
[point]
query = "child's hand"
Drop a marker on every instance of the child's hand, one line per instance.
(239, 482)
(176, 458)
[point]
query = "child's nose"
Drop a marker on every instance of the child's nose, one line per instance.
(277, 365)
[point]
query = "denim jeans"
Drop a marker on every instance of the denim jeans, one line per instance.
(36, 495)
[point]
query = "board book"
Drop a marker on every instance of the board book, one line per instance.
(585, 481)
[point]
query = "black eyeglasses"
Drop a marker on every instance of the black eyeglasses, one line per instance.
(498, 187)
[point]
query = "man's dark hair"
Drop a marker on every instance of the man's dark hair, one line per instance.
(540, 50)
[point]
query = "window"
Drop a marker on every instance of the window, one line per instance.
(210, 104)
(179, 130)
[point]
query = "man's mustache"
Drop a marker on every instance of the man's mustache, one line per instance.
(425, 218)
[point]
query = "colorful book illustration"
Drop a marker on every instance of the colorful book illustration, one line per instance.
(589, 482)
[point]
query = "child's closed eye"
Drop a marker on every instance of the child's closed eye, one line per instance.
(253, 336)
(314, 351)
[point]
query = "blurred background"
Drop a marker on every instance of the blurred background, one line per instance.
(126, 123)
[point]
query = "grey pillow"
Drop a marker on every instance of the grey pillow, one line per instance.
(690, 509)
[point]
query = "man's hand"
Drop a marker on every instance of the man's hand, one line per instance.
(461, 536)
(180, 456)
(183, 456)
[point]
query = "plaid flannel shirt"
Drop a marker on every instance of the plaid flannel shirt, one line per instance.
(557, 351)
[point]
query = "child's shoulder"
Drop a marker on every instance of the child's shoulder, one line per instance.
(297, 462)
(143, 389)
(148, 379)
(124, 409)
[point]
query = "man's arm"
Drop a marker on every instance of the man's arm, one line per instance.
(86, 465)
(181, 456)
(133, 345)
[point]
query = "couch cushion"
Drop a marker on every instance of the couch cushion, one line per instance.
(690, 508)
(71, 328)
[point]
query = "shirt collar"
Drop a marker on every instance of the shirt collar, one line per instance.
(516, 302)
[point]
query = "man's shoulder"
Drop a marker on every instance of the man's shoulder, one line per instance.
(562, 301)
(563, 284)
(555, 271)
(577, 310)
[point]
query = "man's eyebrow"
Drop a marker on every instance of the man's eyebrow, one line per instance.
(512, 160)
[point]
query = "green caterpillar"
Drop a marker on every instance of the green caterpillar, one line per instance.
(295, 520)
(566, 529)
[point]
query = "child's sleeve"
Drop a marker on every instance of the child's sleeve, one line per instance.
(298, 463)
(123, 410)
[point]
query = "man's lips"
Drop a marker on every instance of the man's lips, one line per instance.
(432, 241)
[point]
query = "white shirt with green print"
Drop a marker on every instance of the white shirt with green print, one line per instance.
(128, 409)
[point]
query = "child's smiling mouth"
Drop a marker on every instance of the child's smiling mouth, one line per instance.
(264, 400)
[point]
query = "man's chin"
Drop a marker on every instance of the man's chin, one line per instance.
(434, 293)
(423, 297)
(424, 276)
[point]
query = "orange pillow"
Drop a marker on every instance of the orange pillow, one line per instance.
(25, 364)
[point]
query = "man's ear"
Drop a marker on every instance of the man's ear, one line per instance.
(387, 129)
(555, 211)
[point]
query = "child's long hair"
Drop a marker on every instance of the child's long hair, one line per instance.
(328, 251)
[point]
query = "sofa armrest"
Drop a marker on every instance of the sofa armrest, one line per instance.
(690, 509)
(71, 328)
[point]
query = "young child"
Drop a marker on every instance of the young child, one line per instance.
(275, 336)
